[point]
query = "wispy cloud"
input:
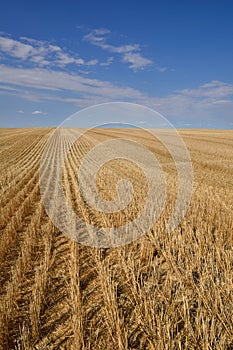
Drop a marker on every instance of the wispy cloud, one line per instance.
(135, 60)
(162, 69)
(130, 53)
(219, 102)
(41, 85)
(38, 112)
(35, 70)
(98, 37)
(108, 62)
(215, 90)
(40, 53)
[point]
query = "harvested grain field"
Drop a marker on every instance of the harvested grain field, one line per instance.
(162, 291)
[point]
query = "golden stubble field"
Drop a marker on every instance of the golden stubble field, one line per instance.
(163, 291)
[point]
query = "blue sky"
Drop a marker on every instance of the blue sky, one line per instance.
(58, 57)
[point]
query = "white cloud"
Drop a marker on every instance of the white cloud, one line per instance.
(20, 111)
(136, 61)
(162, 69)
(15, 48)
(98, 37)
(44, 80)
(129, 53)
(215, 90)
(38, 112)
(41, 85)
(108, 62)
(4, 88)
(219, 102)
(101, 31)
(40, 52)
(213, 83)
(92, 62)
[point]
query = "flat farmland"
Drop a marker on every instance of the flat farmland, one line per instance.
(162, 291)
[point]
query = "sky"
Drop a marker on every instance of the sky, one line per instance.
(58, 57)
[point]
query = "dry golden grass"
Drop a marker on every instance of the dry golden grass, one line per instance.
(163, 291)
